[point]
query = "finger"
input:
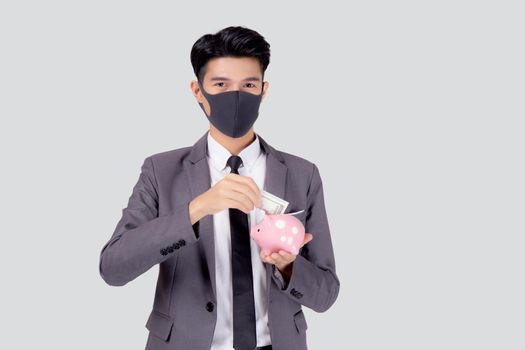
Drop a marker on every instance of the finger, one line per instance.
(288, 257)
(247, 186)
(307, 238)
(231, 203)
(240, 201)
(247, 194)
(255, 200)
(249, 182)
(280, 260)
(263, 256)
(269, 260)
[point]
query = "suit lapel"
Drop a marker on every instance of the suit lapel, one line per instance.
(275, 183)
(198, 174)
(275, 178)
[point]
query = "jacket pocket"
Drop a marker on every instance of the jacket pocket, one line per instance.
(300, 321)
(300, 216)
(159, 324)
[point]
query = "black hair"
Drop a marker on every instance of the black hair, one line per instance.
(234, 41)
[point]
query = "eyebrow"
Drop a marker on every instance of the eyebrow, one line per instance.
(227, 79)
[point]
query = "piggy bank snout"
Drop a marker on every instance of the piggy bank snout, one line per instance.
(256, 231)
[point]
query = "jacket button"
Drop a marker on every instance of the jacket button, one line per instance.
(210, 306)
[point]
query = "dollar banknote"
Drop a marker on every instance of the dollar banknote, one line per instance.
(272, 204)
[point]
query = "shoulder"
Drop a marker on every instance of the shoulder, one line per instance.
(169, 163)
(295, 161)
(300, 168)
(169, 156)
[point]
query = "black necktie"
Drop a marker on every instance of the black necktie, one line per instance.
(244, 332)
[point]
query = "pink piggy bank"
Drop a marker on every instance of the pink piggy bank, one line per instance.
(278, 231)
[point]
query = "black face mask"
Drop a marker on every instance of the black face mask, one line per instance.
(233, 112)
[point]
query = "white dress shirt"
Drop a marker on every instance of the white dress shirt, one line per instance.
(254, 166)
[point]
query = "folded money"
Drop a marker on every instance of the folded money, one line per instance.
(272, 204)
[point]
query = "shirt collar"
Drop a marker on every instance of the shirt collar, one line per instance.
(219, 155)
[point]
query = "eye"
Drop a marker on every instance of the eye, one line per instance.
(218, 84)
(252, 85)
(258, 229)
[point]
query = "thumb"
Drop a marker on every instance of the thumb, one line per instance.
(307, 238)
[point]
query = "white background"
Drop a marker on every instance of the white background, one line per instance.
(412, 110)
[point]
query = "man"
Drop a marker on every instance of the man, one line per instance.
(191, 210)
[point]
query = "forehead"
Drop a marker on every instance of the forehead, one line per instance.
(234, 68)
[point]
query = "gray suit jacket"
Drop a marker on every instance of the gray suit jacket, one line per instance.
(155, 228)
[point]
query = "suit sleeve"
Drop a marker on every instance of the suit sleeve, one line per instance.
(314, 282)
(141, 238)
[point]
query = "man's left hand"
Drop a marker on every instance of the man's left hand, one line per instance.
(283, 260)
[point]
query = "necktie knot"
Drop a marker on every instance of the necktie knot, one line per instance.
(234, 162)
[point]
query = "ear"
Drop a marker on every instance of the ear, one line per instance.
(196, 91)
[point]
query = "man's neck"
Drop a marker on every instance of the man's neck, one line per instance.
(233, 144)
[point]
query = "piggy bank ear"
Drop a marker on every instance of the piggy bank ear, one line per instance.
(260, 214)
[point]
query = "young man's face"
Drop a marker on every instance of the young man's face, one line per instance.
(230, 73)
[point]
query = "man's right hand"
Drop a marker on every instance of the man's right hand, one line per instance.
(233, 191)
